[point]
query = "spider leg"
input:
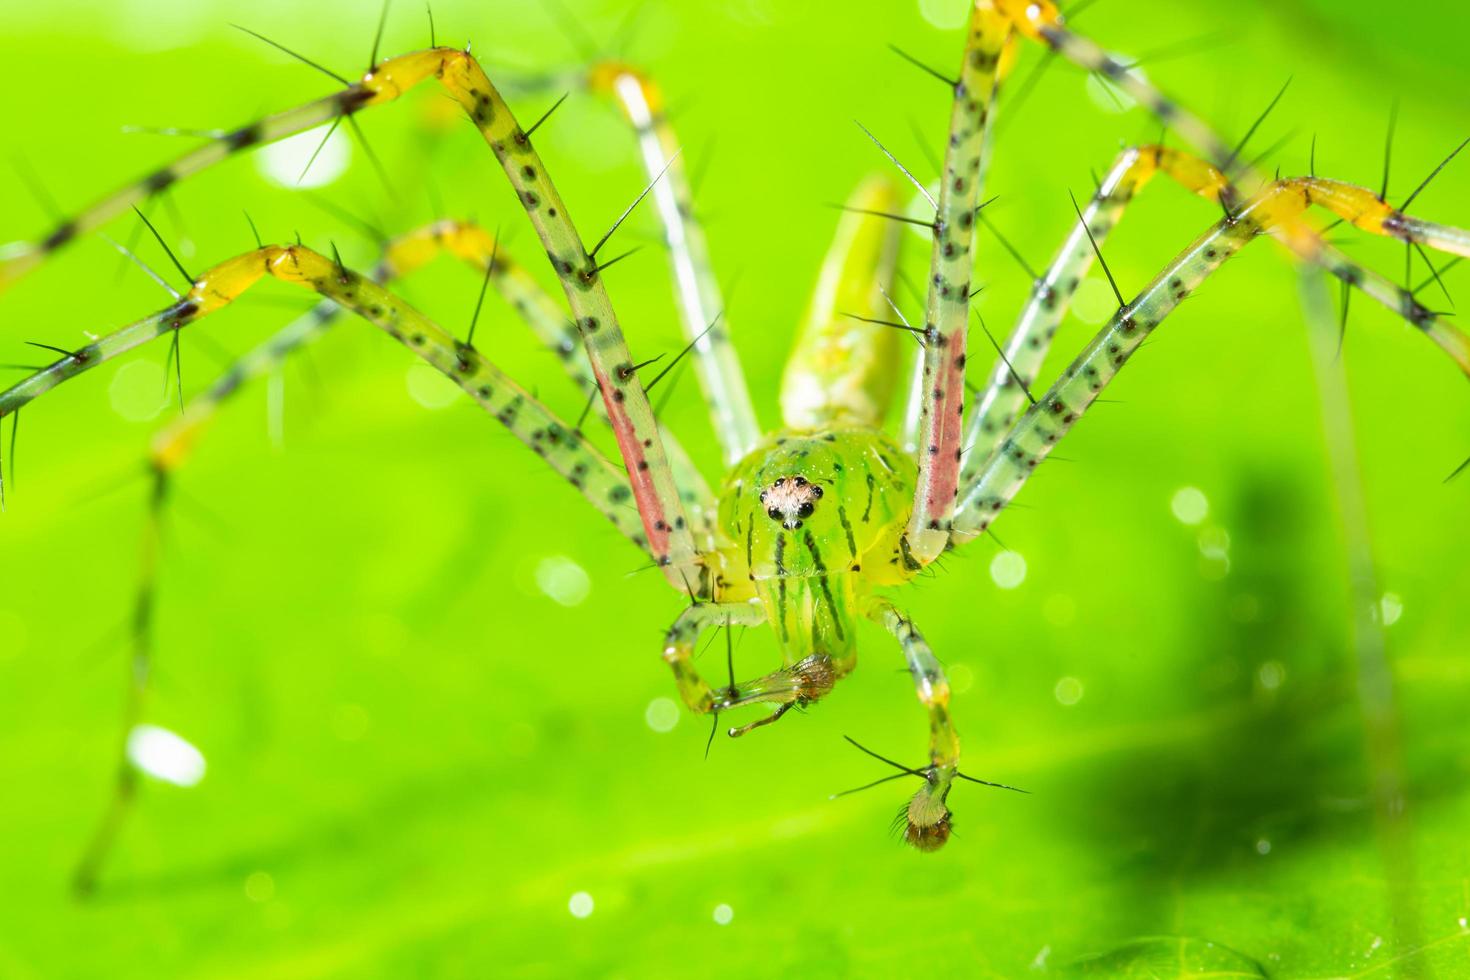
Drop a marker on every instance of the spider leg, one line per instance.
(173, 445)
(927, 816)
(791, 686)
(1275, 210)
(1040, 20)
(473, 244)
(600, 481)
(680, 640)
(402, 256)
(947, 307)
(1025, 349)
(669, 537)
(1030, 339)
(700, 302)
(140, 665)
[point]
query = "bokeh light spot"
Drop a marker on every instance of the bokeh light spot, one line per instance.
(563, 580)
(1190, 505)
(1008, 569)
(283, 161)
(662, 714)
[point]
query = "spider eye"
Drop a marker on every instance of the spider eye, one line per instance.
(799, 481)
(774, 513)
(805, 510)
(763, 496)
(816, 491)
(780, 480)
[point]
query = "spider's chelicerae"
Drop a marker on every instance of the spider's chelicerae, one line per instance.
(816, 522)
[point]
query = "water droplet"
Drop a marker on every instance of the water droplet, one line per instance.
(430, 388)
(1263, 846)
(1190, 505)
(1214, 542)
(1068, 691)
(283, 160)
(563, 579)
(1109, 96)
(1271, 674)
(164, 755)
(1245, 608)
(1391, 607)
(723, 914)
(944, 14)
(1008, 569)
(580, 905)
(1171, 956)
(260, 886)
(961, 678)
(1094, 302)
(662, 714)
(136, 391)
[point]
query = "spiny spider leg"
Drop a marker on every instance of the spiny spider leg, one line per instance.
(1040, 20)
(603, 484)
(140, 665)
(171, 448)
(947, 307)
(791, 686)
(988, 39)
(680, 640)
(700, 302)
(927, 817)
(1051, 295)
(1030, 340)
(670, 539)
(563, 447)
(1032, 438)
(473, 244)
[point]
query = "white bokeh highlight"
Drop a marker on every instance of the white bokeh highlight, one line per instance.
(283, 161)
(165, 756)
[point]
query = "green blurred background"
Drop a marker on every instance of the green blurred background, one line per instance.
(428, 687)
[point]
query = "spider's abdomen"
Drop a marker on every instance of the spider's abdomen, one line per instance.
(807, 522)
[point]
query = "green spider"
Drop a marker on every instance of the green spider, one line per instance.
(815, 522)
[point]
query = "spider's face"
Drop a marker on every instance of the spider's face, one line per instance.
(791, 500)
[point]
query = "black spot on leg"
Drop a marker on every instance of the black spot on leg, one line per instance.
(159, 180)
(227, 385)
(353, 99)
(243, 137)
(63, 234)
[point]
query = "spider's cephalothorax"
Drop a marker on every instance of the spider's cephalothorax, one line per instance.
(810, 543)
(814, 521)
